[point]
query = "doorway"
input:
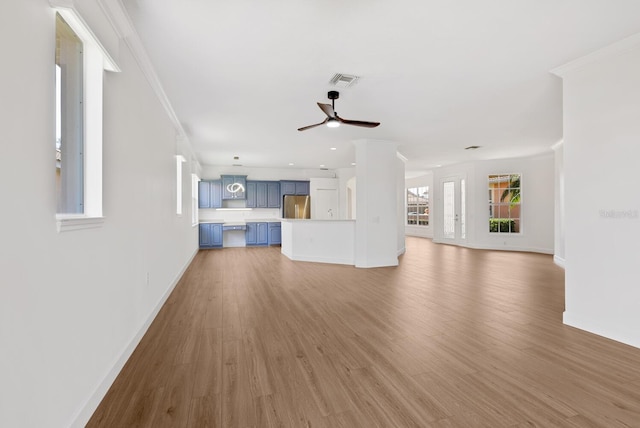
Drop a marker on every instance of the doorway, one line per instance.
(454, 217)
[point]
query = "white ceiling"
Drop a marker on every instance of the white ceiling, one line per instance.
(243, 75)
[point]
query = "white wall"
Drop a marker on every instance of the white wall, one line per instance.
(325, 196)
(425, 179)
(347, 188)
(537, 203)
(378, 182)
(560, 217)
(73, 304)
(601, 149)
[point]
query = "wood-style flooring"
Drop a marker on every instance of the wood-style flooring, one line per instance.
(452, 337)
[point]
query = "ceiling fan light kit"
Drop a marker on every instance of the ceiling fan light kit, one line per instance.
(333, 120)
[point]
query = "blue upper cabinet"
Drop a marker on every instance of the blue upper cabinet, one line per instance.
(251, 194)
(210, 194)
(273, 194)
(294, 188)
(263, 194)
(234, 186)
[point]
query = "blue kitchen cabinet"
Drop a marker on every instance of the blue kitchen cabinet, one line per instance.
(294, 187)
(263, 194)
(251, 235)
(287, 188)
(251, 194)
(273, 194)
(210, 235)
(257, 233)
(210, 194)
(234, 186)
(302, 188)
(275, 235)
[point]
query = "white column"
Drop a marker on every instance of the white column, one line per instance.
(376, 241)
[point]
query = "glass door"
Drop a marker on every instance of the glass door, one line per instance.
(454, 228)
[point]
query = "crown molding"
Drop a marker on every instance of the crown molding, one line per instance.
(617, 48)
(122, 24)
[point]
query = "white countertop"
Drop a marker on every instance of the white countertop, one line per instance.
(241, 222)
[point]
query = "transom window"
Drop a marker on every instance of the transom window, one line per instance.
(418, 206)
(80, 62)
(505, 199)
(69, 120)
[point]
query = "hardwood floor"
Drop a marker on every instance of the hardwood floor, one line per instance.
(452, 337)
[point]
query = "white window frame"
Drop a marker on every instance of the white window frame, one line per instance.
(428, 206)
(501, 205)
(96, 60)
(179, 161)
(194, 200)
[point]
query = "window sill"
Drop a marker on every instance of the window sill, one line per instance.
(67, 223)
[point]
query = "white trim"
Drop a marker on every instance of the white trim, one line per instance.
(586, 323)
(616, 48)
(498, 247)
(91, 404)
(559, 261)
(337, 261)
(179, 161)
(557, 145)
(69, 222)
(122, 24)
(67, 10)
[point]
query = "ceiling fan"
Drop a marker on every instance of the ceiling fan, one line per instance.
(333, 120)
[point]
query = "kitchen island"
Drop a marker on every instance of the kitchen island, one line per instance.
(324, 241)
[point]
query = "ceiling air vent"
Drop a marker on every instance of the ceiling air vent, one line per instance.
(472, 147)
(340, 80)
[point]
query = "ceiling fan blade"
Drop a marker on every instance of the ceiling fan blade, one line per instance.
(358, 122)
(304, 128)
(327, 109)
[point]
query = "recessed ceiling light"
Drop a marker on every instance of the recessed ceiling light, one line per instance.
(353, 164)
(291, 164)
(321, 166)
(333, 148)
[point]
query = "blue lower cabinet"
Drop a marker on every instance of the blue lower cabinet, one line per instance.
(257, 234)
(210, 235)
(275, 235)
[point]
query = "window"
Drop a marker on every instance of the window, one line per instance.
(504, 203)
(418, 206)
(69, 120)
(179, 161)
(194, 199)
(80, 61)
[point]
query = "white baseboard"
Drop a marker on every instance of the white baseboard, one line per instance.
(589, 325)
(91, 404)
(498, 247)
(559, 261)
(333, 260)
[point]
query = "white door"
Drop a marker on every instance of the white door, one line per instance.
(454, 219)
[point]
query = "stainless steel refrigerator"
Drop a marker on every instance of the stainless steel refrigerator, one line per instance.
(296, 207)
